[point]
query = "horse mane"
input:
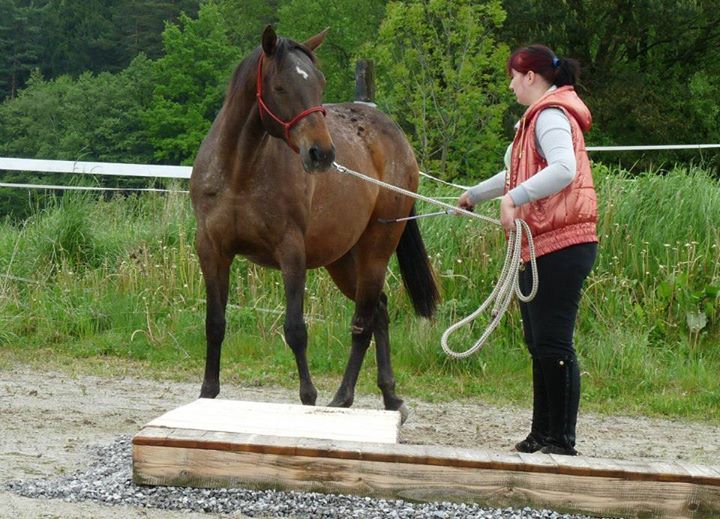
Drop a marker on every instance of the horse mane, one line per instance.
(240, 95)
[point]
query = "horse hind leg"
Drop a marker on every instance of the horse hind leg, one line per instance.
(386, 377)
(361, 329)
(366, 282)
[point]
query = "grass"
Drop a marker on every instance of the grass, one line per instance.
(113, 286)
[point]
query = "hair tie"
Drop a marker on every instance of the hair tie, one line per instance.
(555, 61)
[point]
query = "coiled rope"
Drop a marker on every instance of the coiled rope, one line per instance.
(507, 285)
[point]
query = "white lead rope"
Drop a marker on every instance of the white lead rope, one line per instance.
(507, 285)
(411, 194)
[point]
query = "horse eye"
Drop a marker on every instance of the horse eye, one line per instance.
(278, 90)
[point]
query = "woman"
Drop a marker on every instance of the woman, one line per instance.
(548, 184)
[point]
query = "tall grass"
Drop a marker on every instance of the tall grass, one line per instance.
(90, 280)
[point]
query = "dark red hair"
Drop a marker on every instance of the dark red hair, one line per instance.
(543, 61)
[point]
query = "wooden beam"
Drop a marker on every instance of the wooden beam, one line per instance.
(365, 81)
(204, 458)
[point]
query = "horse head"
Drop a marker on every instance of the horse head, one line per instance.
(289, 96)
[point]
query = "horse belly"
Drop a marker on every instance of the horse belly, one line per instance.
(327, 248)
(331, 234)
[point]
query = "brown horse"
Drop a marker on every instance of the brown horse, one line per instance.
(254, 194)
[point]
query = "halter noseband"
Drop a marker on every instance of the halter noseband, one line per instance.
(264, 108)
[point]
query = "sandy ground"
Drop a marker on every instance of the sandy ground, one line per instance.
(48, 421)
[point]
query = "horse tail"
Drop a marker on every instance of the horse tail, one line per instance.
(417, 273)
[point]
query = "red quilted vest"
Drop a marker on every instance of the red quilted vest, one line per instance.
(568, 217)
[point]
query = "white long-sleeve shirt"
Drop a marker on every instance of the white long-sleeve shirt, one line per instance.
(554, 139)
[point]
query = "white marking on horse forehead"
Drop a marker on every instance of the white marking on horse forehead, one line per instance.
(301, 72)
(300, 67)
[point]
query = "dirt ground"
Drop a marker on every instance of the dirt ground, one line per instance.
(48, 420)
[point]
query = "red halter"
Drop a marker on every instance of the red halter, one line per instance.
(264, 108)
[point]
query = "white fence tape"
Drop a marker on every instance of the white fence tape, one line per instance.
(91, 188)
(95, 168)
(183, 172)
(653, 147)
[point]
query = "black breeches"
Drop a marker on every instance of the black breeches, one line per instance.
(549, 319)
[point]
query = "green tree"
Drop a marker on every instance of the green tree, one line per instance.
(441, 75)
(139, 24)
(103, 35)
(352, 24)
(245, 20)
(190, 81)
(93, 117)
(19, 46)
(78, 36)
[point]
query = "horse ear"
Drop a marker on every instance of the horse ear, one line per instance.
(269, 40)
(314, 42)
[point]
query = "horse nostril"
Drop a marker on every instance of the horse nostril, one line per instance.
(321, 157)
(315, 154)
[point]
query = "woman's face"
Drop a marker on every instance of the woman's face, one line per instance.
(520, 85)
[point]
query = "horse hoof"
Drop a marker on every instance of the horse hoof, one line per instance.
(404, 413)
(336, 402)
(209, 391)
(308, 399)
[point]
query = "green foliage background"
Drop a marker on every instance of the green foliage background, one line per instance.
(649, 72)
(441, 72)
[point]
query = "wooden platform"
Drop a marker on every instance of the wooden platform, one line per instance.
(289, 420)
(188, 448)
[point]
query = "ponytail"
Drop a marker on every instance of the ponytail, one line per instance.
(567, 72)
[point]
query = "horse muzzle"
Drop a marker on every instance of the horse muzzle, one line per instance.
(317, 158)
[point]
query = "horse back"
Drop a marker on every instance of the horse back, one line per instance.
(360, 130)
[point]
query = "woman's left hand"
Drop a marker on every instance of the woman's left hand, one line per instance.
(507, 213)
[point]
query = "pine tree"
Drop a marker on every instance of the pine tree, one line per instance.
(140, 23)
(19, 47)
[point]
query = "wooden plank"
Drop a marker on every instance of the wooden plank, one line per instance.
(212, 443)
(701, 471)
(425, 482)
(422, 455)
(288, 420)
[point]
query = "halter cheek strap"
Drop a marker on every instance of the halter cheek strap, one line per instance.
(265, 109)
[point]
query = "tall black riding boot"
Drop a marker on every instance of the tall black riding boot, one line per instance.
(562, 381)
(540, 419)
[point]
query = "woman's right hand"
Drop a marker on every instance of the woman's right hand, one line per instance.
(464, 202)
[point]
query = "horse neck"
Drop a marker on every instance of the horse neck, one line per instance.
(242, 133)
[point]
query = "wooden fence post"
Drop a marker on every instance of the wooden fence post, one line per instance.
(365, 81)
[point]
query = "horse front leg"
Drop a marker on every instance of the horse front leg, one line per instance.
(296, 337)
(216, 271)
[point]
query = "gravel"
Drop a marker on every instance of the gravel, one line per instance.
(49, 419)
(108, 480)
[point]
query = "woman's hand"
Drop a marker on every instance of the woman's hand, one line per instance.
(507, 213)
(464, 202)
